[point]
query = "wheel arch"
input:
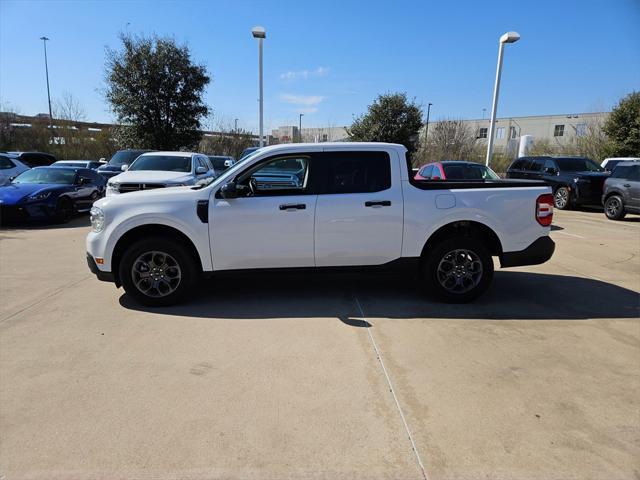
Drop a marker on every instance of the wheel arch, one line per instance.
(146, 231)
(466, 228)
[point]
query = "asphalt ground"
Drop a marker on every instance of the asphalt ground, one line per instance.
(323, 376)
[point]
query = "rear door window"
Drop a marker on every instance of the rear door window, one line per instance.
(537, 164)
(519, 164)
(6, 163)
(356, 172)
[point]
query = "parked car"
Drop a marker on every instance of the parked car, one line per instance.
(610, 163)
(10, 167)
(355, 206)
(221, 162)
(622, 191)
(162, 169)
(248, 151)
(34, 159)
(92, 164)
(121, 158)
(50, 193)
(574, 180)
(455, 170)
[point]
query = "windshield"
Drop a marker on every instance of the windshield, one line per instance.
(124, 157)
(578, 165)
(468, 172)
(47, 175)
(163, 163)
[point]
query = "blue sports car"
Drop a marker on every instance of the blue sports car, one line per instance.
(50, 193)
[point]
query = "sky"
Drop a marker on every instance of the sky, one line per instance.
(330, 59)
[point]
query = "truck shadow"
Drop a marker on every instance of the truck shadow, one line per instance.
(513, 295)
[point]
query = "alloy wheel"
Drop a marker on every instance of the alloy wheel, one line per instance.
(459, 271)
(156, 274)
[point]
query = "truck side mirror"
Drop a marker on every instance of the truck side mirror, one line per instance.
(200, 170)
(124, 167)
(229, 190)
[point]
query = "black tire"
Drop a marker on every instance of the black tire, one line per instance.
(440, 255)
(614, 208)
(64, 210)
(562, 198)
(168, 291)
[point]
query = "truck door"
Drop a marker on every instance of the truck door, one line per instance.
(359, 211)
(270, 223)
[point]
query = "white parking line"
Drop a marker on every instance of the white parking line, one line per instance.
(395, 398)
(568, 234)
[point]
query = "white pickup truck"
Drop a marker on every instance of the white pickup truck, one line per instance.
(327, 205)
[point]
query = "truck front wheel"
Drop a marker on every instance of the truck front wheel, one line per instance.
(157, 272)
(458, 269)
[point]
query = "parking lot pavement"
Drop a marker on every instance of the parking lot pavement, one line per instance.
(278, 376)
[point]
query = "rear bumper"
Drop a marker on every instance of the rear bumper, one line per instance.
(104, 276)
(538, 252)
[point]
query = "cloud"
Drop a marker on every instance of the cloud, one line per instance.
(304, 74)
(301, 100)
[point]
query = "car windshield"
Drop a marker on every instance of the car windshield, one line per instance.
(163, 163)
(47, 175)
(578, 165)
(468, 172)
(124, 157)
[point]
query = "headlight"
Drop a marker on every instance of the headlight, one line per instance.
(97, 219)
(113, 187)
(40, 196)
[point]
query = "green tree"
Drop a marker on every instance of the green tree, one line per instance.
(623, 127)
(155, 91)
(390, 118)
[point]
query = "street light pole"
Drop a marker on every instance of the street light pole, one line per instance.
(46, 69)
(300, 126)
(236, 126)
(426, 128)
(509, 37)
(260, 34)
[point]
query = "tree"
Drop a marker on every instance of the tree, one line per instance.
(155, 91)
(623, 127)
(390, 118)
(450, 139)
(225, 141)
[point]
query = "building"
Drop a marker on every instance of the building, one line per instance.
(556, 129)
(291, 134)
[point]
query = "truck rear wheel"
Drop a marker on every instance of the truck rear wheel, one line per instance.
(458, 269)
(157, 272)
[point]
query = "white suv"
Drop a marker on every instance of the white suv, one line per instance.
(159, 170)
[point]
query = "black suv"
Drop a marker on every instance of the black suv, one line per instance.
(622, 191)
(574, 180)
(120, 158)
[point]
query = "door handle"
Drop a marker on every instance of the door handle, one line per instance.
(381, 203)
(293, 206)
(627, 185)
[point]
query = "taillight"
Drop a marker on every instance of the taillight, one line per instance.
(544, 209)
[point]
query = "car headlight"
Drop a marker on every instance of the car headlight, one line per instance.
(97, 219)
(113, 187)
(39, 196)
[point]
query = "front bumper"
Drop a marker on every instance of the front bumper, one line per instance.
(26, 211)
(538, 252)
(104, 276)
